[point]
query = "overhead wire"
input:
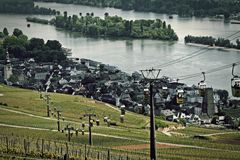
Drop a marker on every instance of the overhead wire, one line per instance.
(208, 72)
(193, 54)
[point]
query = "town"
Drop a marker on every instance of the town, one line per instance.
(174, 101)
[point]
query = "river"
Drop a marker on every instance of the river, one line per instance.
(132, 55)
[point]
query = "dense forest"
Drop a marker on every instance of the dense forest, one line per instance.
(181, 7)
(208, 40)
(114, 26)
(24, 7)
(20, 47)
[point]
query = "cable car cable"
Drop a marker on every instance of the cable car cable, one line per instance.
(208, 72)
(193, 54)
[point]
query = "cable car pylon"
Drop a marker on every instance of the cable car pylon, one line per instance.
(151, 75)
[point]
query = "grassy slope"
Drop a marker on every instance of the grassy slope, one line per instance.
(72, 107)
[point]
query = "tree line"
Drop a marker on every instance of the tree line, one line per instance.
(24, 7)
(20, 47)
(208, 40)
(114, 26)
(180, 7)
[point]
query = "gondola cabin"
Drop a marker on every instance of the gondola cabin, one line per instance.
(202, 86)
(180, 96)
(236, 86)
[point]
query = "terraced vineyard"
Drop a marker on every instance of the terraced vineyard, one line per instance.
(23, 114)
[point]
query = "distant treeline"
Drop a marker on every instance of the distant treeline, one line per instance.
(20, 47)
(208, 40)
(181, 7)
(24, 7)
(115, 27)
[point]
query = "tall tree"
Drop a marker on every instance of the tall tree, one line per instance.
(17, 32)
(5, 31)
(54, 44)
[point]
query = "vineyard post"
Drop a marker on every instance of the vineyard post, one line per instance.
(67, 151)
(42, 147)
(76, 153)
(90, 124)
(48, 104)
(85, 152)
(7, 144)
(25, 146)
(66, 155)
(108, 155)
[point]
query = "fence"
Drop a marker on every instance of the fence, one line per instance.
(50, 149)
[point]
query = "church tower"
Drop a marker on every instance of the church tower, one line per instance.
(7, 67)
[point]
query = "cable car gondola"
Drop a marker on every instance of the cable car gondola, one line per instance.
(180, 96)
(235, 83)
(202, 85)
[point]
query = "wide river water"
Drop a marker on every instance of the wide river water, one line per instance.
(133, 55)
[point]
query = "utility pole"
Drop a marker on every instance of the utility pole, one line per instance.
(90, 125)
(58, 119)
(151, 75)
(48, 98)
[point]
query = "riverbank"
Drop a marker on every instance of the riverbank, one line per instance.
(183, 8)
(213, 47)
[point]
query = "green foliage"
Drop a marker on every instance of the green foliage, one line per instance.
(115, 27)
(35, 43)
(54, 45)
(2, 35)
(5, 31)
(24, 7)
(220, 42)
(17, 32)
(183, 121)
(12, 41)
(160, 124)
(20, 47)
(183, 7)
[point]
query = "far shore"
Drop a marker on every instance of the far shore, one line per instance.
(213, 47)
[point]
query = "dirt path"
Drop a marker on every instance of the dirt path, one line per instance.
(215, 134)
(142, 146)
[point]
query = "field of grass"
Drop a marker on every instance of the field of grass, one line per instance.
(192, 131)
(25, 108)
(72, 107)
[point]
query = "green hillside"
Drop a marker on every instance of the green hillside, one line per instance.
(72, 107)
(23, 114)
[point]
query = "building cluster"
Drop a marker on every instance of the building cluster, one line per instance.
(107, 83)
